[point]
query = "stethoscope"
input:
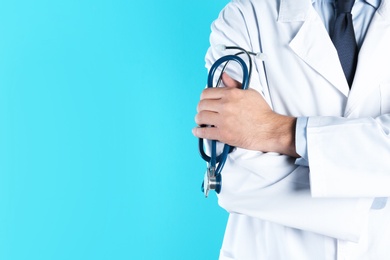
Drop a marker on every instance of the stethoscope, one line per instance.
(215, 163)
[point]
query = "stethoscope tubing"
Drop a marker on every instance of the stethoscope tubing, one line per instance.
(221, 159)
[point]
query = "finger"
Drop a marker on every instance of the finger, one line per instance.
(209, 105)
(211, 133)
(230, 82)
(219, 93)
(207, 118)
(212, 93)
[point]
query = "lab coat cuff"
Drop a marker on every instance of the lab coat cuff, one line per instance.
(301, 141)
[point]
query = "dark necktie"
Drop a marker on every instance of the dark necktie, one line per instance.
(344, 39)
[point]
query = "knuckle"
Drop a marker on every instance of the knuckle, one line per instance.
(201, 117)
(197, 119)
(224, 92)
(199, 106)
(232, 94)
(204, 93)
(233, 91)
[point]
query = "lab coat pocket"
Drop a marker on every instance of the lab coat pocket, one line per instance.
(385, 98)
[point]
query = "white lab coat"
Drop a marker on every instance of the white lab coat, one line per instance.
(278, 208)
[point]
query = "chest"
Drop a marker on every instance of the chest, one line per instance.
(303, 75)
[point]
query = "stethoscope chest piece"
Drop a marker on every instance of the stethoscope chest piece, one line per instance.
(211, 181)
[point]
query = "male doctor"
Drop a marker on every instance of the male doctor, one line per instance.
(311, 173)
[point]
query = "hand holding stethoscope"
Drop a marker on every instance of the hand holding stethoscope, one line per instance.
(213, 179)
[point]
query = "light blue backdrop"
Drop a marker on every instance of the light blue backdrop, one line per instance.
(97, 159)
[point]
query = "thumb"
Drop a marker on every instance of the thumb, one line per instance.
(230, 82)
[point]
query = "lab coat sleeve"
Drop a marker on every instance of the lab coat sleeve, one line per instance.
(271, 186)
(230, 29)
(268, 186)
(349, 157)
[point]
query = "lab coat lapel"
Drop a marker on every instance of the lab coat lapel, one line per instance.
(314, 46)
(373, 60)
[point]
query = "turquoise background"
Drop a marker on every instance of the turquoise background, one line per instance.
(97, 159)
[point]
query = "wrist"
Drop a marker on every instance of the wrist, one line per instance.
(284, 135)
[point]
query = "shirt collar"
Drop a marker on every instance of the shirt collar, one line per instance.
(297, 10)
